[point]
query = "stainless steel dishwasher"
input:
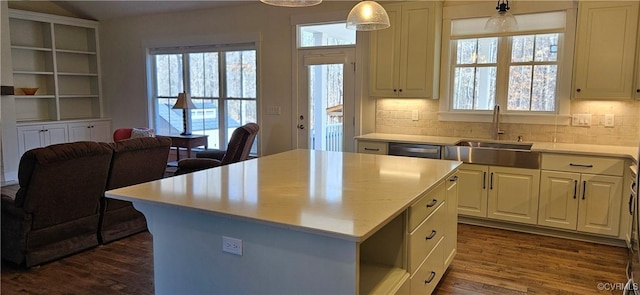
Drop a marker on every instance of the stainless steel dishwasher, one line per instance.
(415, 150)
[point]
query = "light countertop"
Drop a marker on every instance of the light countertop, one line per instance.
(584, 149)
(345, 195)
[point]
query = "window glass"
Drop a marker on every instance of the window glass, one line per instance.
(325, 35)
(475, 74)
(218, 111)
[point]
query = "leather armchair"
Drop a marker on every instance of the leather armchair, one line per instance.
(56, 210)
(237, 150)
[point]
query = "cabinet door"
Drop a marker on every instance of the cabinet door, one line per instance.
(513, 194)
(30, 137)
(559, 193)
(451, 221)
(599, 209)
(385, 56)
(605, 49)
(417, 56)
(55, 133)
(472, 190)
(101, 131)
(79, 131)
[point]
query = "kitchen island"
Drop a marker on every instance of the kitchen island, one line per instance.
(302, 221)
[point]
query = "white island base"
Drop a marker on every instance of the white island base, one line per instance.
(310, 222)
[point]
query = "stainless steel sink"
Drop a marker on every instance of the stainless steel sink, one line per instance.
(509, 154)
(495, 145)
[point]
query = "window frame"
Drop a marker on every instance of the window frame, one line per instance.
(561, 116)
(222, 97)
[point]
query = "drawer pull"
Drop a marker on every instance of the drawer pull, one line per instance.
(370, 149)
(433, 234)
(581, 165)
(455, 178)
(431, 277)
(433, 203)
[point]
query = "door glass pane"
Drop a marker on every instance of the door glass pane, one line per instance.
(326, 107)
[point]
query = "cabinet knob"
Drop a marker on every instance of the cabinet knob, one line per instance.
(400, 90)
(578, 90)
(638, 90)
(395, 90)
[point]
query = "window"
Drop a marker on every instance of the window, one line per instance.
(532, 66)
(221, 81)
(526, 72)
(333, 34)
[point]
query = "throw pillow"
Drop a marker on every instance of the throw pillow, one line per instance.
(137, 132)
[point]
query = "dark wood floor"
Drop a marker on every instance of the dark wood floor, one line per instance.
(489, 261)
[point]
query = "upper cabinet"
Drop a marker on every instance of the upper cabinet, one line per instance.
(59, 56)
(606, 50)
(405, 58)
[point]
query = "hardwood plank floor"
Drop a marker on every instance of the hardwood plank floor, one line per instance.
(489, 261)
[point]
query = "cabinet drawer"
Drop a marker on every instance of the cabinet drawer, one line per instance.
(372, 147)
(425, 280)
(583, 164)
(423, 207)
(425, 237)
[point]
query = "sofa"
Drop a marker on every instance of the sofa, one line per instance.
(60, 207)
(134, 161)
(56, 210)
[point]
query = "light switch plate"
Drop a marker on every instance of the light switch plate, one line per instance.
(582, 120)
(609, 120)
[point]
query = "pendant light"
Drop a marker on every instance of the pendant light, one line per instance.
(292, 3)
(368, 16)
(503, 21)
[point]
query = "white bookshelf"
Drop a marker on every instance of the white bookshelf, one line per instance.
(60, 56)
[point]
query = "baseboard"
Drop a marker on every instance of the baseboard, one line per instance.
(610, 241)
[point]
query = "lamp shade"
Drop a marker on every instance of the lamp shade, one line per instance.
(502, 21)
(292, 3)
(368, 16)
(184, 102)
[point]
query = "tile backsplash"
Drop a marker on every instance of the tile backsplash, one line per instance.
(394, 116)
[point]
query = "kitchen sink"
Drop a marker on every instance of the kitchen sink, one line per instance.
(509, 154)
(495, 145)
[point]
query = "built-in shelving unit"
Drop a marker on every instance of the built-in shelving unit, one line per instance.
(59, 56)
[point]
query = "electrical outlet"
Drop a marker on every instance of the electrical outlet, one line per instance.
(609, 120)
(232, 245)
(415, 115)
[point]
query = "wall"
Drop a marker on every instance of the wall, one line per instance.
(8, 135)
(394, 116)
(123, 59)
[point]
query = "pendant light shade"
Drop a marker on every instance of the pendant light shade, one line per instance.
(292, 3)
(503, 21)
(368, 16)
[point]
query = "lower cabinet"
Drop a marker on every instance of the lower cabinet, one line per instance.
(32, 136)
(90, 131)
(585, 202)
(502, 193)
(35, 136)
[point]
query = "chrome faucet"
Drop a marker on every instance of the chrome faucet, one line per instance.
(496, 122)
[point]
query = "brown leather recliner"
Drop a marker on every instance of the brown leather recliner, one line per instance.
(135, 161)
(237, 150)
(56, 210)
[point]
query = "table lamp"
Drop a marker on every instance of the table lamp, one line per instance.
(184, 103)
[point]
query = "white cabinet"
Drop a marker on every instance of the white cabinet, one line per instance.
(502, 193)
(513, 194)
(405, 57)
(59, 56)
(35, 136)
(90, 131)
(575, 197)
(472, 190)
(605, 50)
(372, 147)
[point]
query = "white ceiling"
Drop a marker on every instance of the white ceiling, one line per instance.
(110, 9)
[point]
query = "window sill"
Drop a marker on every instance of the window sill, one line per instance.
(541, 119)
